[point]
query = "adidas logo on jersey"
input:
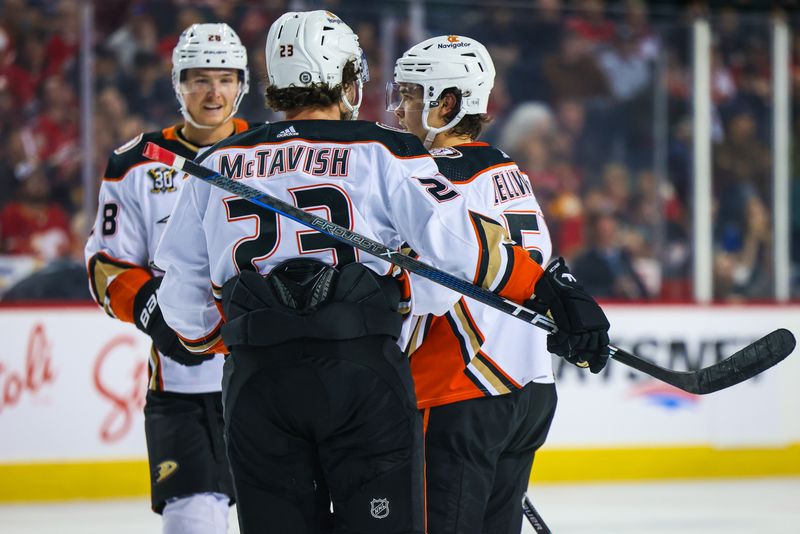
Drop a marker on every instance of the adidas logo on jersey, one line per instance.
(288, 132)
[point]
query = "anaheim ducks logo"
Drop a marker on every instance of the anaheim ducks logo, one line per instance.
(452, 38)
(165, 470)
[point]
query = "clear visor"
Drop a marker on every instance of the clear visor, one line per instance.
(404, 94)
(221, 81)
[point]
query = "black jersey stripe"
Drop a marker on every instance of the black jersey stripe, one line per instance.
(509, 267)
(496, 374)
(476, 381)
(463, 344)
(204, 343)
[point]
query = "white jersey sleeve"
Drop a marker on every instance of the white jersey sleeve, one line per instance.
(379, 184)
(182, 253)
(474, 350)
(136, 201)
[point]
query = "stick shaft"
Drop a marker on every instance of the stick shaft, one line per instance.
(349, 237)
(533, 516)
(757, 357)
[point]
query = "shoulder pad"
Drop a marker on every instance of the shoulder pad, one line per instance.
(471, 162)
(130, 154)
(400, 143)
(255, 135)
(129, 145)
(392, 128)
(445, 152)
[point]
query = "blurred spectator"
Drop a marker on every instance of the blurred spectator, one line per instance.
(573, 73)
(566, 212)
(615, 191)
(627, 72)
(35, 225)
(54, 132)
(648, 44)
(107, 70)
(499, 30)
(591, 22)
(743, 266)
(150, 94)
(543, 38)
(629, 77)
(741, 161)
(62, 47)
(24, 75)
(606, 269)
(527, 136)
(138, 34)
(577, 143)
(187, 16)
(573, 103)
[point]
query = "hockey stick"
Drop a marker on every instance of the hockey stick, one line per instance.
(533, 516)
(743, 365)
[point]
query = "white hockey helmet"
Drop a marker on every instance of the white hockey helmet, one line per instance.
(209, 46)
(308, 47)
(440, 63)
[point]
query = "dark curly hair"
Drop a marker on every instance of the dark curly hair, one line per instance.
(469, 125)
(316, 95)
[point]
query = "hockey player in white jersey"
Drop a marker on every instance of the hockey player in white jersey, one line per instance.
(319, 402)
(190, 480)
(483, 379)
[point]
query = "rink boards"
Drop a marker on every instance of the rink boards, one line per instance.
(73, 381)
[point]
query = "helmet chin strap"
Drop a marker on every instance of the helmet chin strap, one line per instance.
(353, 108)
(433, 132)
(188, 118)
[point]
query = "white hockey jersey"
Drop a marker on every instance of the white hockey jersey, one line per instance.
(474, 350)
(135, 202)
(376, 181)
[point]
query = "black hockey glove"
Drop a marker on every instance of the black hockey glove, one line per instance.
(148, 318)
(582, 336)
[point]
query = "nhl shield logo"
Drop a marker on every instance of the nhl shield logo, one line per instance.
(379, 508)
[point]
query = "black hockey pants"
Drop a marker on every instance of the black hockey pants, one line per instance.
(310, 422)
(478, 455)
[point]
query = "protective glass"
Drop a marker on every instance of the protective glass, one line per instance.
(398, 94)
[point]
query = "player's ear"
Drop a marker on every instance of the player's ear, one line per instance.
(448, 103)
(446, 108)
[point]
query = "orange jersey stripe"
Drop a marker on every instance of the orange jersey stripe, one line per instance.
(487, 169)
(438, 368)
(127, 172)
(122, 291)
(211, 343)
(520, 285)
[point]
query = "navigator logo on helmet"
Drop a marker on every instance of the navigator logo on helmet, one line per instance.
(209, 46)
(444, 62)
(313, 47)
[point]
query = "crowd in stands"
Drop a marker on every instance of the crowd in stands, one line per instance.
(592, 98)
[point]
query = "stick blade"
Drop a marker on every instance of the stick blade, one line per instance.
(156, 153)
(747, 363)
